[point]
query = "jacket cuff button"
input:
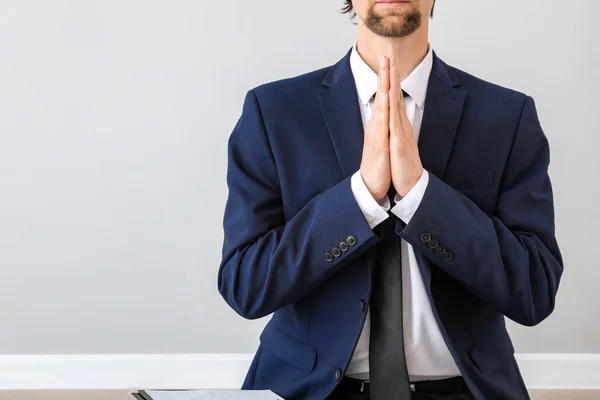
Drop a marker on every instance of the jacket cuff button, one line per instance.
(336, 252)
(351, 240)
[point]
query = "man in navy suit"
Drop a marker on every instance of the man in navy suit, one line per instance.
(389, 210)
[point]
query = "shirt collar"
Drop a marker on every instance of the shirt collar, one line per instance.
(414, 84)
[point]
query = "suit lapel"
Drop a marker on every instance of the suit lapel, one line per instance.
(443, 110)
(341, 111)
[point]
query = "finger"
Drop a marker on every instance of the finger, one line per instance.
(398, 85)
(384, 75)
(383, 113)
(394, 83)
(396, 100)
(374, 116)
(381, 106)
(379, 83)
(382, 81)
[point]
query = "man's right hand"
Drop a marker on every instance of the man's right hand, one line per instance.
(375, 167)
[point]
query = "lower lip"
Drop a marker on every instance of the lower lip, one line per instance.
(395, 4)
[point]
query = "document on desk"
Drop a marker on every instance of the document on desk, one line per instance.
(209, 395)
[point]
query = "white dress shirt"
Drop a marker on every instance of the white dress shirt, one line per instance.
(427, 355)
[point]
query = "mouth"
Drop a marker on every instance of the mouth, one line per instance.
(393, 3)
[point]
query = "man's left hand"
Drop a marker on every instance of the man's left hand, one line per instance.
(406, 167)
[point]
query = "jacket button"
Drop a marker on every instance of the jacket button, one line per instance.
(336, 252)
(433, 243)
(343, 246)
(448, 255)
(363, 305)
(328, 257)
(351, 240)
(440, 249)
(425, 237)
(338, 374)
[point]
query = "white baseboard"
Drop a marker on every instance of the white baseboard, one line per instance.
(220, 371)
(123, 371)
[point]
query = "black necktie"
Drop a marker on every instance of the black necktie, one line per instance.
(387, 363)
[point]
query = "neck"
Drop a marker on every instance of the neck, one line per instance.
(409, 51)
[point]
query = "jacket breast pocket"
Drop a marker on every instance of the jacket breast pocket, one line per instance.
(490, 353)
(289, 349)
(473, 179)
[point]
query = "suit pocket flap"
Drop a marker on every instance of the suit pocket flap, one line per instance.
(488, 354)
(297, 353)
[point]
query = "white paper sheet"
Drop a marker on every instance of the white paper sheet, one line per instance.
(213, 395)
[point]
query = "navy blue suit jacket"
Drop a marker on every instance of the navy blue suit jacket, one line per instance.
(489, 202)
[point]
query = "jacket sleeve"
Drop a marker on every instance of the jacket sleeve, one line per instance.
(510, 259)
(268, 262)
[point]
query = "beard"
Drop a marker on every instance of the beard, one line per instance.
(402, 23)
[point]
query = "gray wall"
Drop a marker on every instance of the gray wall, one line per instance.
(114, 119)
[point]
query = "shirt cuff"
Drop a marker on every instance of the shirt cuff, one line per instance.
(406, 206)
(375, 212)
